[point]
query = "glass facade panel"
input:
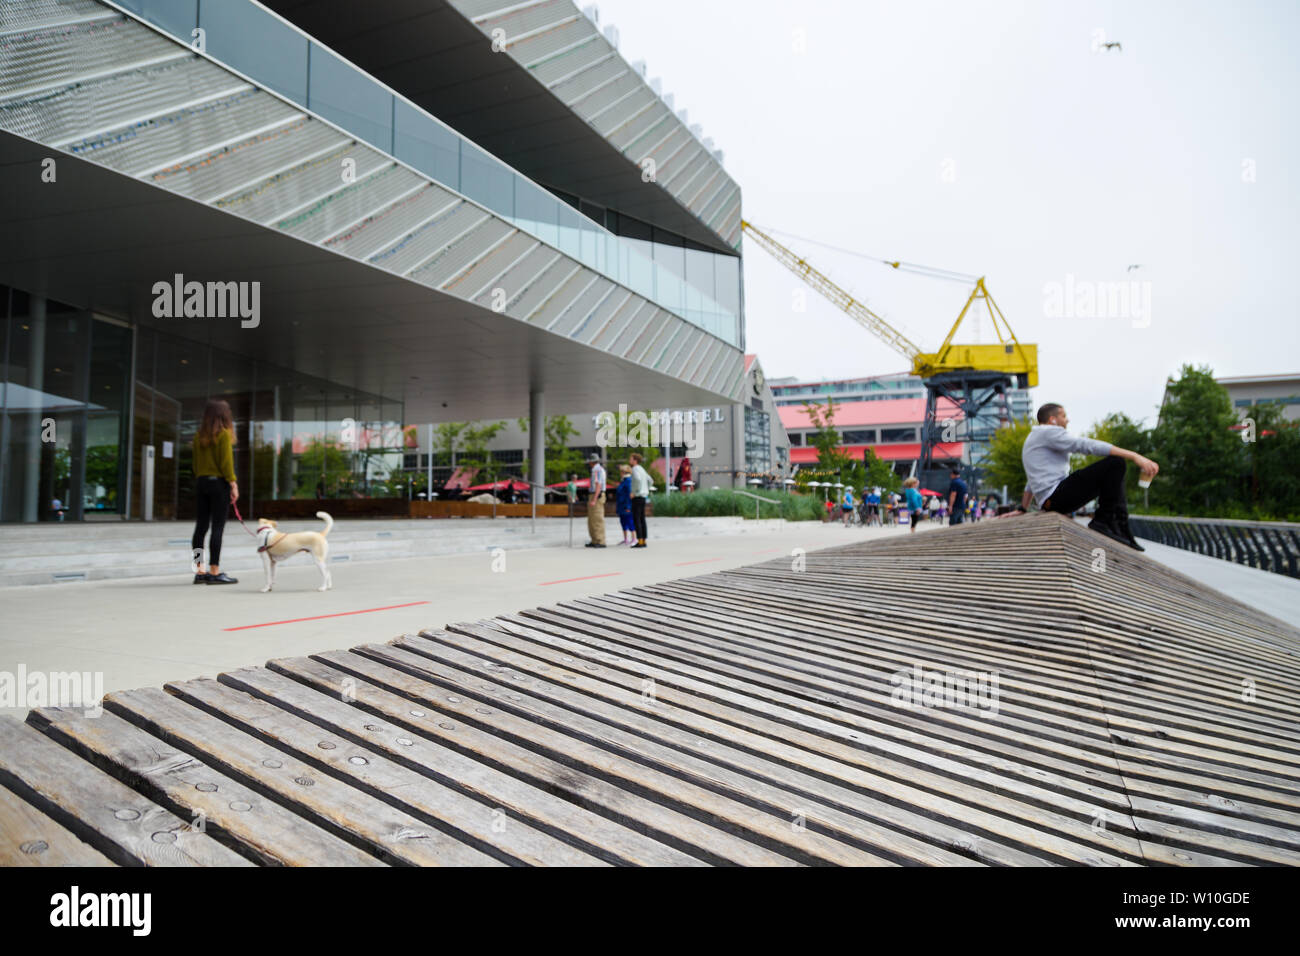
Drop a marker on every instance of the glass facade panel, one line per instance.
(284, 60)
(177, 17)
(71, 420)
(429, 147)
(888, 435)
(344, 95)
(257, 43)
(484, 179)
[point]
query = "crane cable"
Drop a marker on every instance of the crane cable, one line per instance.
(929, 272)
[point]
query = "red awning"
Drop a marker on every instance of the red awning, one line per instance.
(901, 452)
(499, 485)
(461, 478)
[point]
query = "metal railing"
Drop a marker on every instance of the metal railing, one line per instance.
(1267, 545)
(759, 498)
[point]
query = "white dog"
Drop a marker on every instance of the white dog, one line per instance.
(277, 545)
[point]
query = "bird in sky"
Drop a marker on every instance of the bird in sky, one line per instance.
(1113, 45)
(1131, 268)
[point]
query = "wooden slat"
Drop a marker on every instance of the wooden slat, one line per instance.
(128, 828)
(746, 717)
(30, 838)
(232, 813)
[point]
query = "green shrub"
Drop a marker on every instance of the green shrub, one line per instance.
(724, 502)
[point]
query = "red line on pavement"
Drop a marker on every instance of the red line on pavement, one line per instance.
(680, 564)
(589, 577)
(319, 617)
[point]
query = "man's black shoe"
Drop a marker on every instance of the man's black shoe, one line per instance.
(1121, 525)
(638, 545)
(1102, 526)
(222, 578)
(201, 578)
(592, 544)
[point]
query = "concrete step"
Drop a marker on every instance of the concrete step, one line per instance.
(127, 554)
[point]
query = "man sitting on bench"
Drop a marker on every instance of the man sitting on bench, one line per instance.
(1046, 457)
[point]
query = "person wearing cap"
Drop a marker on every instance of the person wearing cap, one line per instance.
(596, 504)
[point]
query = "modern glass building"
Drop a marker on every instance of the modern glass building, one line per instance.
(341, 217)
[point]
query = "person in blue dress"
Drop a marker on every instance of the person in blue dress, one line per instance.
(846, 506)
(915, 505)
(623, 504)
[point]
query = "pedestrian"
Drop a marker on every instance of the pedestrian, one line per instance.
(571, 489)
(596, 504)
(640, 493)
(683, 475)
(846, 506)
(1046, 457)
(956, 497)
(915, 505)
(873, 506)
(623, 504)
(935, 508)
(215, 488)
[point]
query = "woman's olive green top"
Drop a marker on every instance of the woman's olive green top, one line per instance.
(215, 458)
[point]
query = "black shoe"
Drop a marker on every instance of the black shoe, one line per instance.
(592, 544)
(1121, 525)
(638, 545)
(1103, 526)
(222, 578)
(202, 578)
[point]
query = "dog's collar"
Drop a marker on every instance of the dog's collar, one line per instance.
(269, 544)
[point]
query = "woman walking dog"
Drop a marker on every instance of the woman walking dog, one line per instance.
(215, 488)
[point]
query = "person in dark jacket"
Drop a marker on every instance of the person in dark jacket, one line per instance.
(623, 504)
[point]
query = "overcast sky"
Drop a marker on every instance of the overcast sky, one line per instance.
(990, 138)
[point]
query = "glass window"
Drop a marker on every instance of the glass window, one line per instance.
(349, 98)
(177, 17)
(257, 44)
(726, 279)
(888, 435)
(570, 232)
(536, 211)
(485, 180)
(426, 145)
(866, 436)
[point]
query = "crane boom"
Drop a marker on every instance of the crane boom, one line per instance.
(864, 316)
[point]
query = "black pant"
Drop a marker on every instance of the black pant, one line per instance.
(638, 518)
(1103, 480)
(213, 495)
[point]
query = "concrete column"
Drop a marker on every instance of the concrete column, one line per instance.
(537, 440)
(36, 382)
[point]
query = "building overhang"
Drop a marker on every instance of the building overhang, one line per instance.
(434, 56)
(100, 240)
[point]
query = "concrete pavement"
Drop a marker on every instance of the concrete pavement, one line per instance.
(146, 631)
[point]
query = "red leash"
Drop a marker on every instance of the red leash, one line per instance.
(240, 519)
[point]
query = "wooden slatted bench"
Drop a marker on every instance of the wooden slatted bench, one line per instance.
(768, 715)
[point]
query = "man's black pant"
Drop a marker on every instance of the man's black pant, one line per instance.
(213, 504)
(1103, 480)
(638, 518)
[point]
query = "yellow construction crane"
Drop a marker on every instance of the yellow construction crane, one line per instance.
(1009, 357)
(970, 376)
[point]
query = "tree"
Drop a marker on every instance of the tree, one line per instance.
(561, 460)
(1201, 458)
(877, 473)
(1118, 429)
(323, 460)
(1005, 466)
(446, 438)
(475, 439)
(830, 457)
(1271, 446)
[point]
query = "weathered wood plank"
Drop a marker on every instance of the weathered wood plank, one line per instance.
(226, 810)
(125, 826)
(30, 838)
